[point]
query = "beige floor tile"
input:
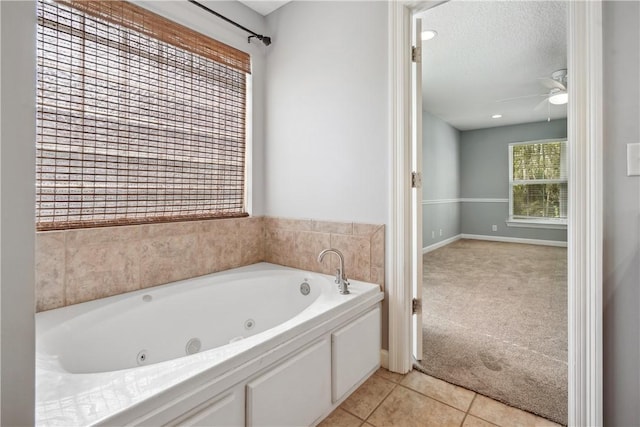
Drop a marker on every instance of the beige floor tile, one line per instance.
(388, 375)
(408, 408)
(472, 421)
(340, 418)
(368, 396)
(503, 415)
(543, 422)
(450, 394)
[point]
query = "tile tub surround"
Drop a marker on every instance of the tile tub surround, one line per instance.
(75, 266)
(297, 243)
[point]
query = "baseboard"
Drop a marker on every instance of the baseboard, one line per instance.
(440, 244)
(384, 358)
(514, 240)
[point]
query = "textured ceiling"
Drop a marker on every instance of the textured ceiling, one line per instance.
(263, 7)
(491, 50)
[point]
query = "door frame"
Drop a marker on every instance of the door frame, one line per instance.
(584, 232)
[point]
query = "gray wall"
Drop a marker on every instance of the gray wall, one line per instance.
(484, 166)
(621, 295)
(17, 213)
(441, 172)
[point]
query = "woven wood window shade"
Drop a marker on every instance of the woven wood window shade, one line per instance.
(138, 118)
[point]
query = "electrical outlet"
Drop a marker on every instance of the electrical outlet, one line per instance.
(433, 234)
(494, 227)
(441, 231)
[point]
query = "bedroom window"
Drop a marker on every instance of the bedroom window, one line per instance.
(538, 184)
(139, 119)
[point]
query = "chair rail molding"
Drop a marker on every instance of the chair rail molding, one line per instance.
(585, 202)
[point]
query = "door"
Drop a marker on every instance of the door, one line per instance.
(416, 191)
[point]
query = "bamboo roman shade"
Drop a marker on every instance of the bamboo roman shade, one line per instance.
(138, 118)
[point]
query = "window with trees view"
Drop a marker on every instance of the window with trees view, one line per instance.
(538, 181)
(139, 119)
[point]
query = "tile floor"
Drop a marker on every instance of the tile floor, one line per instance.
(388, 399)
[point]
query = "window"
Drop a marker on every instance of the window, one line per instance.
(138, 119)
(538, 183)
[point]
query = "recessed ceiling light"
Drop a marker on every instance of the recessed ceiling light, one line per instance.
(496, 116)
(429, 34)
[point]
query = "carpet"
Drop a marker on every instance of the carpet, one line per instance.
(495, 322)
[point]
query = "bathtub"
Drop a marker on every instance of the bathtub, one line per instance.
(227, 348)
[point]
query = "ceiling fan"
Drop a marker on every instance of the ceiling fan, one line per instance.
(557, 86)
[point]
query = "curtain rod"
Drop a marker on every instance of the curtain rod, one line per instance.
(264, 39)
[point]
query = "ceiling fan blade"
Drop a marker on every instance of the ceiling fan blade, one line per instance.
(551, 84)
(541, 105)
(521, 97)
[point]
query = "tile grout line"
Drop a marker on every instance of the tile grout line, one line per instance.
(382, 401)
(466, 414)
(438, 400)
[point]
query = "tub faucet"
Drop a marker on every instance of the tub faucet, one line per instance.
(341, 278)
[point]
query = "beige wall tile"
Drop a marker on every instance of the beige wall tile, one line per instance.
(167, 259)
(332, 227)
(164, 229)
(450, 394)
(230, 243)
(101, 270)
(357, 255)
(100, 235)
(279, 246)
(81, 265)
(365, 229)
(307, 247)
(288, 223)
(50, 270)
(407, 408)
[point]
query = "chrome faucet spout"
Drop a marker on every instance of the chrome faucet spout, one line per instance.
(341, 278)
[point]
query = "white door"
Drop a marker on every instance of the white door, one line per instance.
(416, 192)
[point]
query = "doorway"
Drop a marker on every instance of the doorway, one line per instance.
(495, 290)
(585, 183)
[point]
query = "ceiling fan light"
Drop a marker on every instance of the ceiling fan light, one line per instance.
(560, 98)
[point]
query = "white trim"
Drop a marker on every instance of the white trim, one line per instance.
(384, 358)
(440, 201)
(584, 126)
(399, 289)
(537, 223)
(440, 244)
(514, 240)
(484, 200)
(466, 199)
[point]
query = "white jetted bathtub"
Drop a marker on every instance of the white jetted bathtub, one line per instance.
(257, 345)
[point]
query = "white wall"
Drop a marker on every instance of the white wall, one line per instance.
(621, 284)
(200, 20)
(17, 212)
(327, 139)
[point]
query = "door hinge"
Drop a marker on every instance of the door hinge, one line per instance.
(416, 180)
(415, 305)
(416, 54)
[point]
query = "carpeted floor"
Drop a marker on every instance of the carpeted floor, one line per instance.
(495, 321)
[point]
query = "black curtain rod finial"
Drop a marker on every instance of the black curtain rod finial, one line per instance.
(264, 39)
